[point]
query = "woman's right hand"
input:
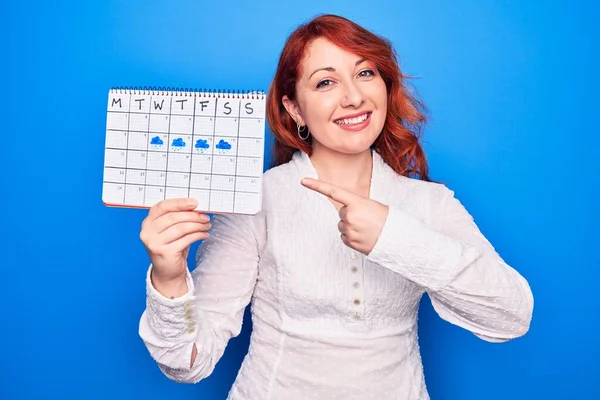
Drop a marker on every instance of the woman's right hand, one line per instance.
(170, 228)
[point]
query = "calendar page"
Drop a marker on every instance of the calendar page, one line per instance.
(204, 145)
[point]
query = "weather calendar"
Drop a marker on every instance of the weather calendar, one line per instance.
(206, 145)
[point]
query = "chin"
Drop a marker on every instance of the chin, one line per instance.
(357, 147)
(347, 143)
(358, 143)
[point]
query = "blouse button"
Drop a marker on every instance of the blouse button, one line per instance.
(356, 316)
(354, 269)
(355, 285)
(353, 255)
(356, 301)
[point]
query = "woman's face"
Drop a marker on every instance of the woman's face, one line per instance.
(340, 97)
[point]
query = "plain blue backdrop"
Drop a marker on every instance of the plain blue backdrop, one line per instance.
(512, 92)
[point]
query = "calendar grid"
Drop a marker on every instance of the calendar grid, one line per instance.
(193, 173)
(168, 141)
(178, 187)
(236, 154)
(212, 158)
(141, 113)
(241, 136)
(155, 151)
(126, 151)
(191, 155)
(199, 147)
(147, 148)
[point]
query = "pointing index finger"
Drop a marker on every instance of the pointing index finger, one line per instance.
(327, 189)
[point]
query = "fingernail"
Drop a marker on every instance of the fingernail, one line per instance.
(204, 218)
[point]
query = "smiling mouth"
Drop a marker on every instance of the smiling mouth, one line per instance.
(353, 121)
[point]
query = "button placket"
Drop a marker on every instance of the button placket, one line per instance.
(189, 316)
(357, 302)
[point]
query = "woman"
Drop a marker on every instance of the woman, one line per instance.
(352, 233)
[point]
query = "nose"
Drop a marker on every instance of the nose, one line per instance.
(353, 95)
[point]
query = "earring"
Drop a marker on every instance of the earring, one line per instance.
(301, 130)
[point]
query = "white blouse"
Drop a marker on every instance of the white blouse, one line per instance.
(329, 322)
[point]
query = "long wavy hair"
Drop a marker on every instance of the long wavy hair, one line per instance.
(398, 142)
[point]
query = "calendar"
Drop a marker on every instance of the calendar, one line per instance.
(207, 145)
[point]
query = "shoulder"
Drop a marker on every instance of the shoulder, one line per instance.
(423, 199)
(412, 189)
(428, 197)
(279, 174)
(427, 189)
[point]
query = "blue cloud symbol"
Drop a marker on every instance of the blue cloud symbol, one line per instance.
(156, 140)
(202, 144)
(223, 145)
(178, 142)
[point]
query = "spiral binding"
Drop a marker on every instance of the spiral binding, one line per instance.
(176, 91)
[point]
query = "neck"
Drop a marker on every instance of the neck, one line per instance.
(348, 171)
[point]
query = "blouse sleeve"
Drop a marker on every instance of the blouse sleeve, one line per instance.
(212, 311)
(469, 284)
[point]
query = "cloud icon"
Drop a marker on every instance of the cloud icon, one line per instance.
(223, 145)
(178, 142)
(202, 144)
(156, 140)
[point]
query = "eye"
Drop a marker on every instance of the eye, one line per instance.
(366, 73)
(324, 83)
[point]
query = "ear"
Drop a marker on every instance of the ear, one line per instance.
(292, 108)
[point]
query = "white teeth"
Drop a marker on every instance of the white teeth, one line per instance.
(352, 121)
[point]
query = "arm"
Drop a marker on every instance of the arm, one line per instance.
(187, 335)
(469, 284)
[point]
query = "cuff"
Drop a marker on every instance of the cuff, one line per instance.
(422, 255)
(171, 318)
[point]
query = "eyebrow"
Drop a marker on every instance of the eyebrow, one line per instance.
(331, 69)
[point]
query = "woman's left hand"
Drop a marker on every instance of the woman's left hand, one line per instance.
(361, 219)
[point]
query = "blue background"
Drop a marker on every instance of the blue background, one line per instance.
(512, 90)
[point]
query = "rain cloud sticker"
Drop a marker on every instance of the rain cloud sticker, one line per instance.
(178, 142)
(223, 145)
(202, 144)
(156, 141)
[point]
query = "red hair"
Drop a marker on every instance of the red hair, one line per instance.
(398, 143)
